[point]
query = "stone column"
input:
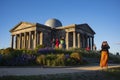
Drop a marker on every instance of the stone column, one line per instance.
(29, 44)
(16, 44)
(86, 41)
(67, 40)
(20, 41)
(12, 41)
(41, 38)
(78, 37)
(83, 41)
(74, 39)
(92, 42)
(27, 41)
(38, 38)
(17, 41)
(35, 39)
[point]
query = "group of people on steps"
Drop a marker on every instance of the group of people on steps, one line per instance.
(56, 43)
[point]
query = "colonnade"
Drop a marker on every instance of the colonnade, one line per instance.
(79, 40)
(26, 40)
(29, 40)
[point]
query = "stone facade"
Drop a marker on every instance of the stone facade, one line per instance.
(28, 35)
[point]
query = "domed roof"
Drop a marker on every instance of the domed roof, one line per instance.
(53, 23)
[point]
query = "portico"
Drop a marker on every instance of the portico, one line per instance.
(28, 35)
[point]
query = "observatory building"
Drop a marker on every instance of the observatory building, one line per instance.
(27, 35)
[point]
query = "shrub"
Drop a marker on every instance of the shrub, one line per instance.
(50, 59)
(7, 50)
(60, 60)
(45, 56)
(76, 58)
(41, 59)
(75, 55)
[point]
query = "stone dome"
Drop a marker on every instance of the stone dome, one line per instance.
(53, 23)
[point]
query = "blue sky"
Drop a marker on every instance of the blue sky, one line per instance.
(102, 15)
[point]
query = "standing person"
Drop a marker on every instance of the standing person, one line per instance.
(94, 47)
(62, 43)
(53, 43)
(87, 48)
(57, 43)
(104, 54)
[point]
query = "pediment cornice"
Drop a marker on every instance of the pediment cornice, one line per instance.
(22, 25)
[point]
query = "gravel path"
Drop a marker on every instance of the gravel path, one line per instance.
(20, 71)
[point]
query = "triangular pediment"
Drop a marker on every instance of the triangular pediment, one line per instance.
(22, 25)
(86, 28)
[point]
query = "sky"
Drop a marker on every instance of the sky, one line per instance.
(103, 16)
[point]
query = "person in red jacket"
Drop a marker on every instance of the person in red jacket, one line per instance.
(87, 48)
(57, 43)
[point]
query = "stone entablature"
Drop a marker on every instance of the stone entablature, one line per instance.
(28, 35)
